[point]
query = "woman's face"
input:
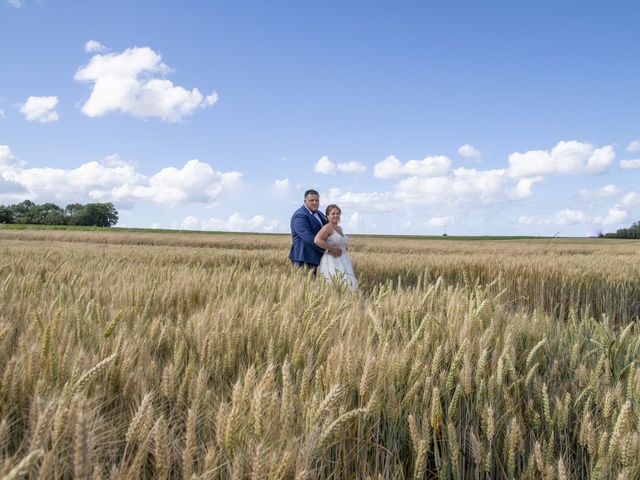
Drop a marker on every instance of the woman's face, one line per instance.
(334, 216)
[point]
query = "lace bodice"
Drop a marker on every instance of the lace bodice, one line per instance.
(337, 240)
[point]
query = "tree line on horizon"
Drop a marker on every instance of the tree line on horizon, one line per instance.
(632, 232)
(88, 215)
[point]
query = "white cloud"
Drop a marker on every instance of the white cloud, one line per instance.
(440, 221)
(388, 168)
(570, 157)
(523, 188)
(327, 167)
(631, 199)
(614, 216)
(283, 184)
(9, 188)
(131, 82)
(469, 151)
(569, 216)
(629, 164)
(467, 186)
(114, 180)
(368, 201)
(15, 3)
(196, 182)
(324, 165)
(235, 223)
(191, 223)
(40, 109)
(634, 146)
(8, 161)
(602, 192)
(114, 161)
(391, 167)
(93, 46)
(353, 222)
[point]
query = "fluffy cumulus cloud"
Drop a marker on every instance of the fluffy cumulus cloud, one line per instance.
(93, 46)
(365, 201)
(523, 187)
(463, 186)
(114, 180)
(433, 182)
(40, 109)
(634, 146)
(352, 223)
(282, 184)
(327, 167)
(602, 192)
(9, 189)
(391, 167)
(569, 216)
(614, 216)
(235, 223)
(469, 151)
(195, 182)
(133, 82)
(324, 165)
(8, 161)
(456, 188)
(631, 199)
(630, 164)
(570, 157)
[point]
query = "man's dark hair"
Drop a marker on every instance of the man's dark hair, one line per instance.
(310, 192)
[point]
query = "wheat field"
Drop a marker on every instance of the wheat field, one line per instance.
(157, 355)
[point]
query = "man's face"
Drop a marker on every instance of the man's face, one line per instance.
(312, 202)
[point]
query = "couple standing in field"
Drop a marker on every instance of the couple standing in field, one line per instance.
(318, 242)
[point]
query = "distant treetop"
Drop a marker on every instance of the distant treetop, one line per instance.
(89, 215)
(632, 232)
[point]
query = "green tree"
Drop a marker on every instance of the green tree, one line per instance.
(95, 215)
(22, 212)
(632, 232)
(6, 216)
(72, 209)
(48, 214)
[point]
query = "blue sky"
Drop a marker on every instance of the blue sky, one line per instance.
(479, 117)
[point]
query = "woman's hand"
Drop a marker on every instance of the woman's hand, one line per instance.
(321, 241)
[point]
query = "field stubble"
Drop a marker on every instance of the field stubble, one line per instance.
(174, 356)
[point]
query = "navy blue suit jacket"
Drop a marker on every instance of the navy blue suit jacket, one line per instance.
(304, 228)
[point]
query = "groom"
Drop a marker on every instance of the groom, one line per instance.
(306, 222)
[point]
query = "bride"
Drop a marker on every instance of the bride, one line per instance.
(335, 263)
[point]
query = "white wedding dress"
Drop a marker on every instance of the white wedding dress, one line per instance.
(338, 268)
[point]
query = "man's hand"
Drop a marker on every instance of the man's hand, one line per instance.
(335, 251)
